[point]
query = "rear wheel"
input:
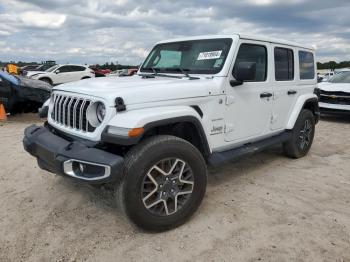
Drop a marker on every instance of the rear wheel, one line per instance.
(302, 135)
(164, 183)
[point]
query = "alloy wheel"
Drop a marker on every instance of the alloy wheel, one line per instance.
(305, 135)
(167, 187)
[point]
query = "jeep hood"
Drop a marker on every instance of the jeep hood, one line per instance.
(136, 90)
(337, 87)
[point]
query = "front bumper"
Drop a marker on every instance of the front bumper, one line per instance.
(334, 108)
(72, 159)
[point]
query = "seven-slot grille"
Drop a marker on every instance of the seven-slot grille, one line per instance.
(71, 111)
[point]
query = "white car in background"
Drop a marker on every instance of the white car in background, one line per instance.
(334, 95)
(60, 74)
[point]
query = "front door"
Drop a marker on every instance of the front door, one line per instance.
(249, 106)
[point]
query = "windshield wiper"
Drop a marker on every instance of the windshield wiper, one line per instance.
(184, 71)
(155, 72)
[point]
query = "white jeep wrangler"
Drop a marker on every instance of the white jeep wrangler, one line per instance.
(195, 102)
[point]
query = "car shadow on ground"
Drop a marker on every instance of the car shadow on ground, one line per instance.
(336, 118)
(103, 197)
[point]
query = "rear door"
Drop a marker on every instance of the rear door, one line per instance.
(249, 106)
(78, 72)
(285, 86)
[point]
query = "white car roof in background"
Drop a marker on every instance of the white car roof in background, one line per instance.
(242, 36)
(73, 65)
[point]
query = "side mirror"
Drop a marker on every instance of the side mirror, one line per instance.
(243, 71)
(57, 71)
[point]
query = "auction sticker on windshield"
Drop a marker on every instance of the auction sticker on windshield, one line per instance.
(209, 55)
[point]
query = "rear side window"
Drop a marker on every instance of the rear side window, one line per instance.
(77, 68)
(306, 65)
(284, 64)
(256, 54)
(64, 69)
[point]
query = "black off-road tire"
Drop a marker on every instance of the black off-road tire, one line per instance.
(300, 142)
(139, 160)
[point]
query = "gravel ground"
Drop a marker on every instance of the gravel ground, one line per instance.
(265, 208)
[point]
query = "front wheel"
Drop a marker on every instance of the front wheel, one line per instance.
(302, 135)
(164, 183)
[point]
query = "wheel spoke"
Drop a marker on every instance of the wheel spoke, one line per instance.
(154, 203)
(154, 190)
(174, 166)
(166, 207)
(183, 180)
(160, 170)
(184, 192)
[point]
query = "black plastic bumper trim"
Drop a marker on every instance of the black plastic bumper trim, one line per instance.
(51, 151)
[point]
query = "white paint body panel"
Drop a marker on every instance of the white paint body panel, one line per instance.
(232, 116)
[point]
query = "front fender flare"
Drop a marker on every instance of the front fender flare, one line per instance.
(153, 117)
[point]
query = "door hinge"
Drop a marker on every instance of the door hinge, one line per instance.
(229, 100)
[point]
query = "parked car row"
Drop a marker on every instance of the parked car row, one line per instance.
(28, 87)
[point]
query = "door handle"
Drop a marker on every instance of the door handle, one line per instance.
(292, 92)
(265, 95)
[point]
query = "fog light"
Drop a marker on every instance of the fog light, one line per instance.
(86, 170)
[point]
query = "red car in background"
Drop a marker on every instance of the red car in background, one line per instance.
(100, 72)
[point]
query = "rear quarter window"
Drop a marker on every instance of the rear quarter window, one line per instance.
(306, 65)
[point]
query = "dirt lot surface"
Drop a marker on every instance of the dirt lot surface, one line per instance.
(263, 208)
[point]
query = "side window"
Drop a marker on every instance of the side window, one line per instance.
(306, 65)
(77, 68)
(284, 64)
(64, 69)
(254, 54)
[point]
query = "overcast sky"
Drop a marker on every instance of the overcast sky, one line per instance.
(97, 31)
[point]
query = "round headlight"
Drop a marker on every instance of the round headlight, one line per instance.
(96, 112)
(100, 112)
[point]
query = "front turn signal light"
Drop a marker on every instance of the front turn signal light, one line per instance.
(135, 132)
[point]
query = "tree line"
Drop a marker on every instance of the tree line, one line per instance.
(333, 65)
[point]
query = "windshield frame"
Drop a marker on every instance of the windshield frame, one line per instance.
(175, 70)
(52, 68)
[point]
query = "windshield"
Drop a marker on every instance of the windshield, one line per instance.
(197, 56)
(53, 68)
(343, 77)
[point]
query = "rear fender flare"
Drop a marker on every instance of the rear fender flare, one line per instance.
(299, 105)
